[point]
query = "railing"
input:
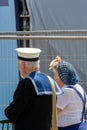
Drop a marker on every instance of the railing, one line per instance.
(45, 32)
(40, 35)
(45, 35)
(6, 125)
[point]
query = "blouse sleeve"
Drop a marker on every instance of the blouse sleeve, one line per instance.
(64, 99)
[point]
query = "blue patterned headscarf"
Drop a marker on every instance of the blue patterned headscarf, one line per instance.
(67, 73)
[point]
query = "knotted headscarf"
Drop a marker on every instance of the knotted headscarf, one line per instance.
(66, 71)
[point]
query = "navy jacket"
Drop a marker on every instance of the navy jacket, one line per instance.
(31, 108)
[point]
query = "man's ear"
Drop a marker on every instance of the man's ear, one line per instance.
(23, 64)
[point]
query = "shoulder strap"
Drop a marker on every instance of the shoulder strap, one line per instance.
(83, 101)
(54, 118)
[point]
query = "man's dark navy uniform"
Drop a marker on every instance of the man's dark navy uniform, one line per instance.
(31, 108)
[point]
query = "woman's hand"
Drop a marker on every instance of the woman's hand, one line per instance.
(54, 63)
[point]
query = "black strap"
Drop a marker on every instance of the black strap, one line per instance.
(83, 101)
(28, 59)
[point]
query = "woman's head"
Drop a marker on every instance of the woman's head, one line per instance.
(67, 73)
(64, 72)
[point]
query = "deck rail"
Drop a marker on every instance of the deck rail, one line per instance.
(6, 125)
(40, 35)
(45, 35)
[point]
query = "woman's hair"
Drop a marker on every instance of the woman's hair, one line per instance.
(67, 73)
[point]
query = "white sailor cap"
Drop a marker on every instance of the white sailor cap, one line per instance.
(28, 54)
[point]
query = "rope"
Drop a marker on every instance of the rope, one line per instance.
(54, 112)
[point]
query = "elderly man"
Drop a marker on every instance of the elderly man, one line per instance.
(31, 108)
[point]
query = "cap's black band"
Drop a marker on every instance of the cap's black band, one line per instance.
(28, 59)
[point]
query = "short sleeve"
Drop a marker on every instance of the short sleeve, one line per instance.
(64, 99)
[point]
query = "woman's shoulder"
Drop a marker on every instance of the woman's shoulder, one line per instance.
(67, 89)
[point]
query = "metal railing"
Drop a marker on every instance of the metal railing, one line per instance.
(45, 35)
(40, 35)
(45, 32)
(6, 125)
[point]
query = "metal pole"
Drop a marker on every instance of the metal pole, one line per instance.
(8, 37)
(25, 17)
(45, 32)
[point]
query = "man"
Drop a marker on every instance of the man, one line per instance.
(31, 108)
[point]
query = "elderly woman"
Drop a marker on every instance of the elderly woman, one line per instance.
(69, 104)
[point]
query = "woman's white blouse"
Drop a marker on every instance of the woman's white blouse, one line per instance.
(71, 106)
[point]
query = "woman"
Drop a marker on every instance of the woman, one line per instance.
(69, 104)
